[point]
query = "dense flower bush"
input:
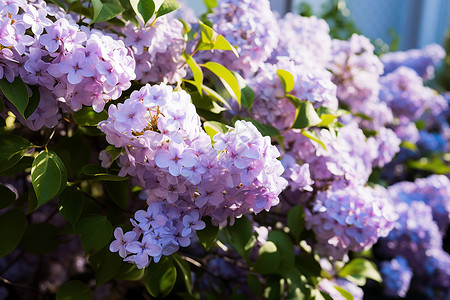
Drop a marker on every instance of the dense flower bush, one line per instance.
(241, 155)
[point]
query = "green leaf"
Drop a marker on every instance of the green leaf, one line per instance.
(308, 266)
(12, 148)
(285, 248)
(358, 269)
(273, 288)
(347, 295)
(214, 127)
(23, 164)
(95, 231)
(32, 201)
(119, 192)
(48, 176)
(206, 102)
(306, 116)
(71, 204)
(265, 129)
(106, 11)
(167, 6)
(183, 266)
(268, 259)
(296, 221)
(210, 40)
(247, 97)
(129, 272)
(12, 227)
(287, 79)
(433, 164)
(88, 117)
(241, 236)
(216, 96)
(96, 172)
(159, 278)
(144, 9)
(210, 4)
(227, 78)
(40, 238)
(16, 92)
(7, 196)
(74, 290)
(314, 137)
(196, 71)
(75, 152)
(254, 284)
(106, 265)
(208, 235)
(33, 102)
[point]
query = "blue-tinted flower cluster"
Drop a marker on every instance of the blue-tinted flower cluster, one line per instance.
(396, 276)
(423, 61)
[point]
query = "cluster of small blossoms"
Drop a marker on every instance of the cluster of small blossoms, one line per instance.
(329, 287)
(423, 61)
(157, 47)
(349, 218)
(250, 26)
(305, 40)
(356, 70)
(397, 276)
(416, 237)
(312, 83)
(68, 63)
(184, 176)
(404, 92)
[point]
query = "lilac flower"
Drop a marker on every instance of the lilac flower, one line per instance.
(148, 247)
(122, 241)
(152, 218)
(76, 67)
(36, 18)
(396, 276)
(192, 223)
(175, 158)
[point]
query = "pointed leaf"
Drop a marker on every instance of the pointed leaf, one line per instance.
(105, 264)
(306, 116)
(214, 127)
(227, 78)
(296, 221)
(167, 6)
(106, 11)
(119, 192)
(196, 71)
(358, 269)
(268, 259)
(71, 204)
(314, 137)
(208, 235)
(33, 102)
(88, 117)
(16, 92)
(185, 271)
(95, 230)
(7, 196)
(48, 176)
(247, 97)
(12, 148)
(287, 79)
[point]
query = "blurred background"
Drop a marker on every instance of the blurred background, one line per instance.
(401, 24)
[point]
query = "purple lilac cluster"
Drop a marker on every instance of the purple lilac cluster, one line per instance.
(312, 83)
(350, 218)
(397, 276)
(251, 27)
(416, 237)
(329, 287)
(404, 92)
(184, 176)
(433, 191)
(305, 40)
(157, 47)
(71, 65)
(356, 70)
(422, 61)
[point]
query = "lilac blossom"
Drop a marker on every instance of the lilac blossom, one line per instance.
(396, 276)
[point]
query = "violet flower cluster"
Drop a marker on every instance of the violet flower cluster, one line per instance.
(422, 61)
(250, 26)
(157, 47)
(71, 66)
(423, 208)
(396, 276)
(184, 176)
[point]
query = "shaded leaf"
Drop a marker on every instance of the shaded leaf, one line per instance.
(40, 238)
(119, 192)
(12, 227)
(247, 97)
(48, 176)
(12, 148)
(268, 259)
(358, 269)
(74, 290)
(159, 278)
(16, 92)
(71, 204)
(241, 236)
(185, 271)
(33, 102)
(7, 196)
(88, 117)
(96, 172)
(95, 230)
(129, 272)
(306, 116)
(296, 221)
(106, 265)
(208, 235)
